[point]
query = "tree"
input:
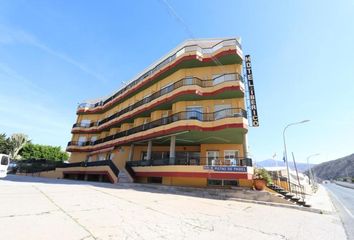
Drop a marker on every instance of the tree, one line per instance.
(38, 151)
(4, 144)
(17, 142)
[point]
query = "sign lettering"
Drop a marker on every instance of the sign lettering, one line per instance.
(252, 95)
(225, 169)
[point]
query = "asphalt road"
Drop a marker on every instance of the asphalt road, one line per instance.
(343, 199)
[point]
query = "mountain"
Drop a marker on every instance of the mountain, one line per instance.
(340, 167)
(301, 167)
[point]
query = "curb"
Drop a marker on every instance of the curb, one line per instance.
(179, 190)
(344, 185)
(313, 210)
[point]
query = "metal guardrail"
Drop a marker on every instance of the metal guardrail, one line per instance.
(164, 91)
(192, 161)
(185, 115)
(35, 167)
(299, 190)
(185, 49)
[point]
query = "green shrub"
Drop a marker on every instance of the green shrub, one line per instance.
(261, 173)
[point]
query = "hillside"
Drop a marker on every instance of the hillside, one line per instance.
(301, 167)
(335, 168)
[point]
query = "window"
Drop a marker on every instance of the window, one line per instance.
(194, 158)
(147, 98)
(214, 182)
(82, 141)
(93, 139)
(166, 89)
(222, 182)
(194, 112)
(145, 123)
(155, 155)
(110, 156)
(230, 183)
(85, 123)
(218, 78)
(188, 80)
(222, 111)
(4, 160)
(231, 157)
(101, 157)
(154, 179)
(213, 158)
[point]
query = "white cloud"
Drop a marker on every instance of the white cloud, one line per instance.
(27, 108)
(16, 36)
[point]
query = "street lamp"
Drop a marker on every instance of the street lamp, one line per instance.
(285, 152)
(308, 166)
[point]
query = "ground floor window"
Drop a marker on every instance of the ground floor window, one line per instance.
(87, 177)
(154, 179)
(214, 182)
(222, 182)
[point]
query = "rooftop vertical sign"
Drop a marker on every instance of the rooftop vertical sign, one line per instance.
(251, 92)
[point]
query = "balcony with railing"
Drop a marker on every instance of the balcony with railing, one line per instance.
(213, 168)
(218, 161)
(156, 68)
(184, 115)
(191, 81)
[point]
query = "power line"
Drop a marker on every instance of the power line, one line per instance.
(173, 13)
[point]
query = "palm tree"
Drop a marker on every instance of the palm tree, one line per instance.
(17, 141)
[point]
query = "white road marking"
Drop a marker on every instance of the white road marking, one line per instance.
(344, 207)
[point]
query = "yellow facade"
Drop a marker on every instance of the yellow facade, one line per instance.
(190, 112)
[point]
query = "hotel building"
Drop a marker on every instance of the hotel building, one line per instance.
(182, 121)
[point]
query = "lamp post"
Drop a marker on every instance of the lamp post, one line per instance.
(308, 167)
(285, 151)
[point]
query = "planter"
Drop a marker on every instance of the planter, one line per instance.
(259, 184)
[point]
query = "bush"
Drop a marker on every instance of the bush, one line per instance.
(261, 173)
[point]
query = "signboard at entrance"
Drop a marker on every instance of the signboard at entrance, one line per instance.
(252, 95)
(225, 168)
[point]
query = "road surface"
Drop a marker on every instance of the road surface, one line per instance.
(39, 208)
(343, 199)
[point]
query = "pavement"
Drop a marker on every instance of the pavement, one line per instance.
(39, 208)
(343, 199)
(345, 184)
(321, 200)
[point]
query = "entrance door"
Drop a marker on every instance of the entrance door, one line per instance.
(213, 158)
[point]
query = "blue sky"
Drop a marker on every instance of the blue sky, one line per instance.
(54, 54)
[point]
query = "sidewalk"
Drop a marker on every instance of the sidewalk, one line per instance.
(74, 210)
(345, 184)
(321, 200)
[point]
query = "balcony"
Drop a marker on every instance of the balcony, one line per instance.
(219, 168)
(164, 91)
(159, 67)
(236, 162)
(185, 115)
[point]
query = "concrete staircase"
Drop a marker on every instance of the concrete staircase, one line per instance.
(295, 198)
(124, 177)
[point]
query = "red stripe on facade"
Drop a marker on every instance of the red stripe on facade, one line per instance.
(156, 134)
(213, 175)
(185, 92)
(185, 58)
